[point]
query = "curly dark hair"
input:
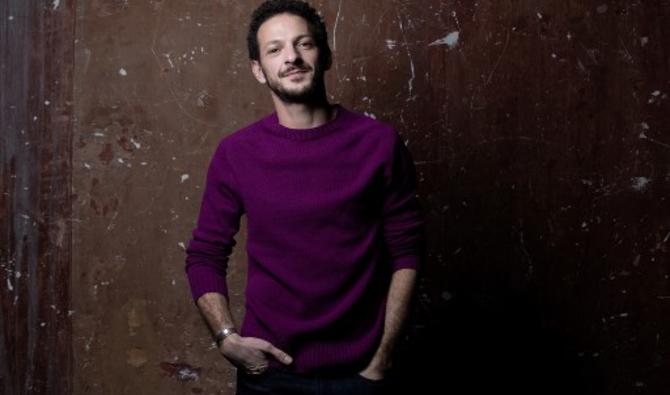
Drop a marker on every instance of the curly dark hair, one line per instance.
(300, 8)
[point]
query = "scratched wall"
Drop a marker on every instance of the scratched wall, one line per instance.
(540, 135)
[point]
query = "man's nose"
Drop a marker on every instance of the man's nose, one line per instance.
(292, 55)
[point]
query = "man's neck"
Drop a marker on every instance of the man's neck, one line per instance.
(303, 116)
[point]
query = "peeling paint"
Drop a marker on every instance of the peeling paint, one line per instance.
(181, 371)
(639, 184)
(450, 40)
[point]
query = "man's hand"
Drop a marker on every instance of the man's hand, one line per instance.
(249, 353)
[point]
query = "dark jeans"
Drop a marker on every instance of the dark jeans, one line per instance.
(280, 382)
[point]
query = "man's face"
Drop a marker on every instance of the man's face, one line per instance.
(289, 59)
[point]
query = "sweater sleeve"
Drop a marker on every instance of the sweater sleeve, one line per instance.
(218, 221)
(403, 219)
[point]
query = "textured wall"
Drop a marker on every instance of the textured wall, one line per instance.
(539, 131)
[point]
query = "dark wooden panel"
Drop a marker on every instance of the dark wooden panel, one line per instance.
(37, 51)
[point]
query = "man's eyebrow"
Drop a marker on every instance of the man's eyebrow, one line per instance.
(272, 42)
(300, 37)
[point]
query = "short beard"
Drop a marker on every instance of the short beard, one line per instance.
(314, 94)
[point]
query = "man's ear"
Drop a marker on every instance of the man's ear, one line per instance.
(257, 71)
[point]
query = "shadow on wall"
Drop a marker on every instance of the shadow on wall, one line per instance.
(503, 330)
(466, 348)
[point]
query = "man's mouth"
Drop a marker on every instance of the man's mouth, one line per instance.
(295, 71)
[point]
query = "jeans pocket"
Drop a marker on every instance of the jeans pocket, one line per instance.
(252, 384)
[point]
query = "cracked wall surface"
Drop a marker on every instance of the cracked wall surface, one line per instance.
(540, 136)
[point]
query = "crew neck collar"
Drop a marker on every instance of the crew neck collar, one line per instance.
(272, 125)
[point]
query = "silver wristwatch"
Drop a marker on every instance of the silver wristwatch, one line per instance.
(222, 334)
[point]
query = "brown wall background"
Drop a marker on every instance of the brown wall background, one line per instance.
(540, 135)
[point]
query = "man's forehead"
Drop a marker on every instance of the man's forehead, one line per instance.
(283, 26)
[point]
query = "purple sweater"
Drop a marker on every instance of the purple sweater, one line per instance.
(331, 213)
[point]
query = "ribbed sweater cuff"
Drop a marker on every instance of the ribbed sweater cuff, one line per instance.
(406, 262)
(203, 281)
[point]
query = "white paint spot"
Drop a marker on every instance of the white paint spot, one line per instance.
(623, 315)
(602, 9)
(640, 183)
(9, 285)
(184, 177)
(34, 118)
(181, 244)
(645, 125)
(120, 160)
(70, 312)
(391, 44)
(539, 16)
(655, 95)
(123, 72)
(187, 374)
(11, 17)
(167, 56)
(553, 55)
(451, 40)
(143, 163)
(55, 4)
(43, 324)
(644, 41)
(99, 134)
(202, 98)
(371, 115)
(47, 102)
(135, 143)
(174, 282)
(86, 165)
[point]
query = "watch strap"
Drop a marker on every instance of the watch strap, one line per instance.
(222, 334)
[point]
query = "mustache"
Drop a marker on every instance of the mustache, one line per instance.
(292, 69)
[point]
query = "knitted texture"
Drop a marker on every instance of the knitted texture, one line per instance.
(331, 213)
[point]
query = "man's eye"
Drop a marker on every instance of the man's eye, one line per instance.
(307, 44)
(272, 50)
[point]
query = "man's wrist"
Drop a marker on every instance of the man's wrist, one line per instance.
(222, 334)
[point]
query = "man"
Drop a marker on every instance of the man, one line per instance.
(335, 232)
